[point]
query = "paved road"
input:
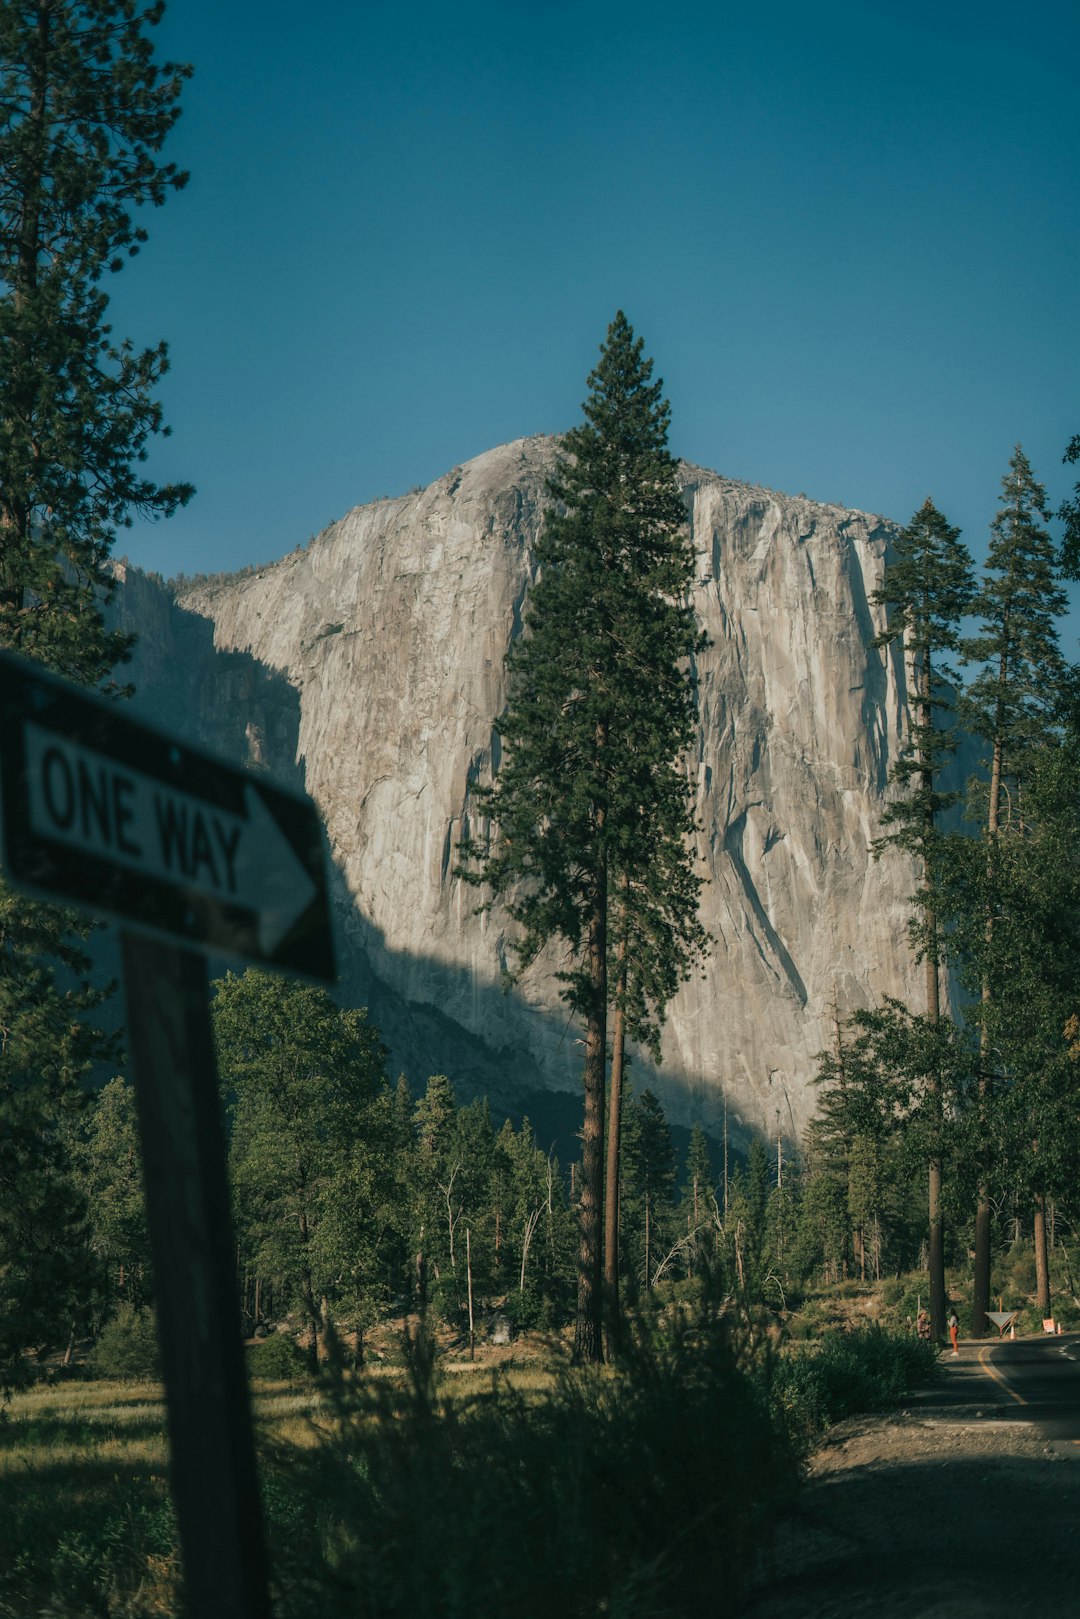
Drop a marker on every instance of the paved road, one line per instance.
(1026, 1379)
(963, 1505)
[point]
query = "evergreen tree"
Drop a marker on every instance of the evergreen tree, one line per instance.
(311, 1132)
(927, 590)
(856, 1142)
(699, 1195)
(657, 939)
(1010, 704)
(600, 708)
(650, 1184)
(109, 1176)
(757, 1183)
(821, 1239)
(535, 1225)
(49, 1050)
(1069, 512)
(434, 1204)
(1025, 1142)
(84, 111)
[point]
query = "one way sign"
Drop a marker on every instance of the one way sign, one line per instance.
(109, 814)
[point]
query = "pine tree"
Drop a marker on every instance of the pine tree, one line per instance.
(927, 588)
(84, 111)
(601, 705)
(656, 941)
(1025, 1142)
(1069, 512)
(1010, 704)
(699, 1193)
(109, 1175)
(311, 1132)
(650, 1178)
(433, 1204)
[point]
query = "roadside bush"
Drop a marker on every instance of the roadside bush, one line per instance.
(640, 1490)
(868, 1370)
(127, 1346)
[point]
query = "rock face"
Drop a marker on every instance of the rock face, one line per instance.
(370, 666)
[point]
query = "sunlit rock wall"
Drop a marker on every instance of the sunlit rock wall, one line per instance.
(371, 664)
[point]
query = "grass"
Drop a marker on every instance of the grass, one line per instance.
(637, 1491)
(640, 1491)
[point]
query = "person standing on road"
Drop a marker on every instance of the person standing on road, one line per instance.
(954, 1328)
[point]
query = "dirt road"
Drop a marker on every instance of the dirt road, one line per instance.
(966, 1504)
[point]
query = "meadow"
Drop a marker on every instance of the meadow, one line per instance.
(639, 1490)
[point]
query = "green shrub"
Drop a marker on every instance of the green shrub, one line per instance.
(640, 1490)
(277, 1359)
(868, 1370)
(127, 1346)
(902, 1297)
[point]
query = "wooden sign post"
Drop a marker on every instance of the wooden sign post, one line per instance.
(187, 853)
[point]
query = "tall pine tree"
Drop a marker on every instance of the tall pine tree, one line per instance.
(84, 111)
(601, 706)
(927, 589)
(1010, 704)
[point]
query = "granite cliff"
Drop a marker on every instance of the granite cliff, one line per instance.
(370, 667)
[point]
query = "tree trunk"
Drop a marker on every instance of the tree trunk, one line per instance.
(1042, 1260)
(980, 1300)
(614, 1131)
(935, 1213)
(611, 1187)
(725, 1158)
(588, 1329)
(980, 1297)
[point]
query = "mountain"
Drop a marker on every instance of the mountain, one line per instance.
(369, 666)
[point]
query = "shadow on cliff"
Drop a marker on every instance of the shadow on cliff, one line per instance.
(232, 704)
(423, 1040)
(227, 702)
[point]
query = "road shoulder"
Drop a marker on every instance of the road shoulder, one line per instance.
(951, 1508)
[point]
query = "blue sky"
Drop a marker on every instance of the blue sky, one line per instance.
(849, 237)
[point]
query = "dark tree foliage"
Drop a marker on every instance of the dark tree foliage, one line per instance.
(1069, 513)
(699, 1199)
(47, 1054)
(1012, 700)
(600, 710)
(84, 110)
(927, 589)
(649, 1195)
(310, 1116)
(1010, 704)
(83, 114)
